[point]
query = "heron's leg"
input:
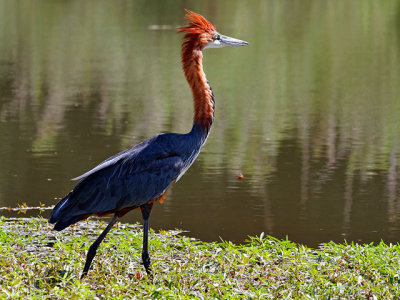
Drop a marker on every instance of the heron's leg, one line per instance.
(92, 250)
(146, 209)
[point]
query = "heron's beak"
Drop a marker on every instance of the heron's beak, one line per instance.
(228, 41)
(220, 41)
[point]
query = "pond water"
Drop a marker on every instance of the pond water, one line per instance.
(309, 112)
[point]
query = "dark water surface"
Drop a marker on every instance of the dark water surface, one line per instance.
(309, 112)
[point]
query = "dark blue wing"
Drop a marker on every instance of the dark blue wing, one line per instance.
(130, 178)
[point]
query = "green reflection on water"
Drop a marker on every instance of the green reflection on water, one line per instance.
(83, 80)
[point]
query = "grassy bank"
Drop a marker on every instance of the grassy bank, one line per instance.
(38, 262)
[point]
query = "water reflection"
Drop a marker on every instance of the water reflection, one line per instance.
(309, 112)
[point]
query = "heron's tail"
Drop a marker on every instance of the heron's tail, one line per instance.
(61, 215)
(60, 225)
(59, 209)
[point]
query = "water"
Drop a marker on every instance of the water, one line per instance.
(309, 112)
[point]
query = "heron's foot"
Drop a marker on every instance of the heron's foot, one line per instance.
(83, 275)
(146, 263)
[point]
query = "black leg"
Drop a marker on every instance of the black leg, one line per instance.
(146, 209)
(92, 250)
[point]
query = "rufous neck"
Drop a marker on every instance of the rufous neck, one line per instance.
(203, 101)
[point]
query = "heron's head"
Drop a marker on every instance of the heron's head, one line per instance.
(202, 34)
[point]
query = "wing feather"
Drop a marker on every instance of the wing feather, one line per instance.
(130, 178)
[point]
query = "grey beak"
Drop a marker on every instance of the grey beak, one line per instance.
(228, 41)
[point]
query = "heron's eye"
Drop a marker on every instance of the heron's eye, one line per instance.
(216, 37)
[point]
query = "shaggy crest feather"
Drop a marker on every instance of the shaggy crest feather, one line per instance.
(197, 25)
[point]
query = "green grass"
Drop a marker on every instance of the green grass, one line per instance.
(37, 262)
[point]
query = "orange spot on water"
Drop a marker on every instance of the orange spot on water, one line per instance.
(240, 176)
